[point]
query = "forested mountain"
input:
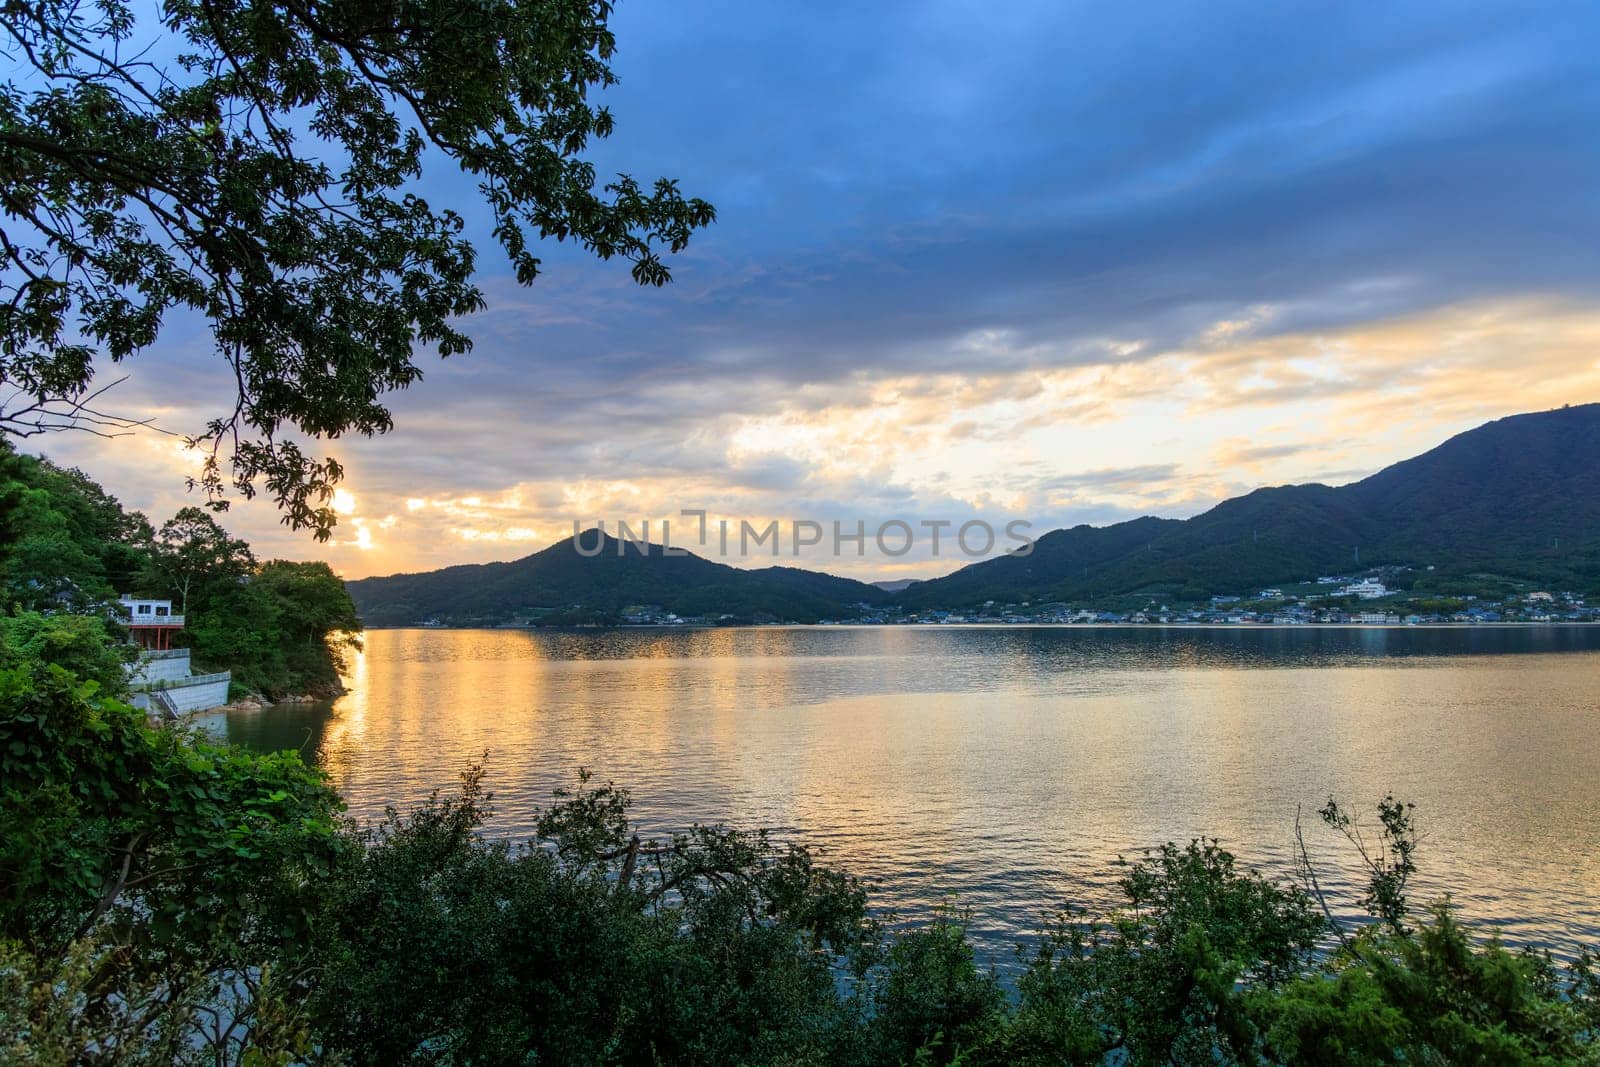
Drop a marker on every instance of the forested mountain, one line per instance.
(560, 584)
(1521, 491)
(1518, 497)
(1058, 558)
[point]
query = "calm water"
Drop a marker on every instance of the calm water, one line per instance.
(1006, 768)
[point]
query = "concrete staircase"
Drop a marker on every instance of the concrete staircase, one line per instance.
(163, 684)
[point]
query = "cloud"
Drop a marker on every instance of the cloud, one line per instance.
(1113, 478)
(1064, 263)
(1240, 452)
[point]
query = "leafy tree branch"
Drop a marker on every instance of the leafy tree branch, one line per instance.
(256, 165)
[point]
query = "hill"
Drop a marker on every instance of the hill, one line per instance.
(1518, 497)
(559, 584)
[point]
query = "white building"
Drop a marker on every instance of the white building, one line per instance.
(151, 621)
(161, 679)
(1366, 589)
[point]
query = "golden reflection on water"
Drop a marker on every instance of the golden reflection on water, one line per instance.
(1009, 767)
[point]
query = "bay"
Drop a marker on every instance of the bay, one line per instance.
(1003, 770)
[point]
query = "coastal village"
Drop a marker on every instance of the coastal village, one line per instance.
(1273, 607)
(1329, 600)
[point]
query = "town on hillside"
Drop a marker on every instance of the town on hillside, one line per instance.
(1329, 600)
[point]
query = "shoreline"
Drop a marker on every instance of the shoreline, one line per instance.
(1514, 624)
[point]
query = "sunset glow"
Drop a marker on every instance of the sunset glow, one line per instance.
(1082, 315)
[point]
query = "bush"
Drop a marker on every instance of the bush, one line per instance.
(79, 644)
(147, 877)
(168, 899)
(436, 941)
(932, 1002)
(1432, 996)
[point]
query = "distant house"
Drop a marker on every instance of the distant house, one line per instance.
(161, 679)
(151, 622)
(1366, 589)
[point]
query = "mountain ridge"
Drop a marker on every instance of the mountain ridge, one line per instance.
(1499, 497)
(559, 583)
(1518, 496)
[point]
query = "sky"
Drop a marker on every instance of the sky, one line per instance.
(1049, 262)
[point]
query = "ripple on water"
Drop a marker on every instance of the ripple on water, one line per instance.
(1006, 769)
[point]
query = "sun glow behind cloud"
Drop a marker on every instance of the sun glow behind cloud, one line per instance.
(1169, 433)
(947, 287)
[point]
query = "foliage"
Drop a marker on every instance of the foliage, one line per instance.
(258, 165)
(166, 848)
(148, 879)
(53, 1012)
(65, 544)
(167, 899)
(192, 553)
(587, 946)
(1162, 979)
(446, 945)
(79, 644)
(932, 1002)
(317, 622)
(69, 547)
(1388, 863)
(43, 1022)
(1431, 996)
(280, 627)
(1437, 605)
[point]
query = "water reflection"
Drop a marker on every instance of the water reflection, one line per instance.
(1009, 766)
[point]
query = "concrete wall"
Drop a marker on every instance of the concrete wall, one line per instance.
(160, 667)
(210, 691)
(199, 697)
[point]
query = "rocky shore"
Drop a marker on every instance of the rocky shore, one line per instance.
(255, 701)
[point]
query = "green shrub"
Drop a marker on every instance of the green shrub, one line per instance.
(79, 644)
(164, 898)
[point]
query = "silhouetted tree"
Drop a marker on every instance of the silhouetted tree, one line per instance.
(256, 164)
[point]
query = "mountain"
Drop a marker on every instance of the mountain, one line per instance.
(1517, 497)
(561, 584)
(896, 585)
(1058, 559)
(1524, 488)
